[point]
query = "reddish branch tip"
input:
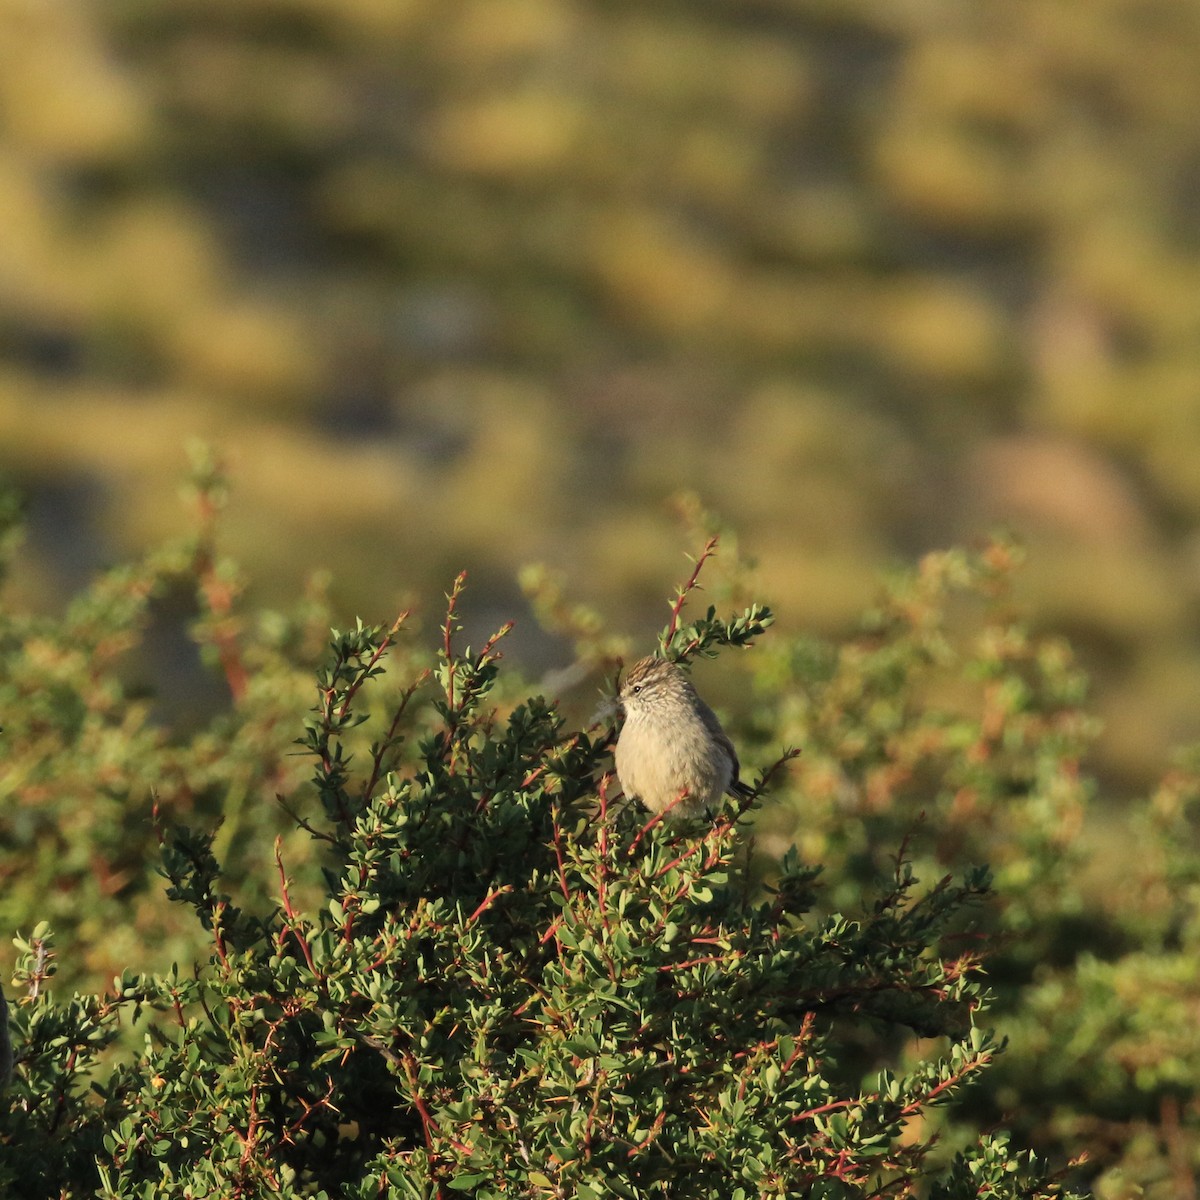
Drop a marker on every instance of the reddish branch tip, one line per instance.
(710, 548)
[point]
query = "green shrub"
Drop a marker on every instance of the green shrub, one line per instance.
(480, 974)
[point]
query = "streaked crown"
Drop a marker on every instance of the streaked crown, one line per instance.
(652, 676)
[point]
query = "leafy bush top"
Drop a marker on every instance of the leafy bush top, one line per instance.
(490, 977)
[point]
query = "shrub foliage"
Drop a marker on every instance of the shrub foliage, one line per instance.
(482, 973)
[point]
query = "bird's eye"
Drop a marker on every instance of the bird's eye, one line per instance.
(636, 688)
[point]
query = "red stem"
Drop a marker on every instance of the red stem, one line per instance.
(710, 548)
(386, 741)
(658, 816)
(488, 900)
(655, 1129)
(289, 912)
(973, 1065)
(380, 651)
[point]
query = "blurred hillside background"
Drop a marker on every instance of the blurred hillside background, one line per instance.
(484, 282)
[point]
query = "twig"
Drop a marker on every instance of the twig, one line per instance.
(658, 816)
(448, 627)
(364, 675)
(389, 738)
(746, 800)
(710, 548)
(427, 1123)
(305, 825)
(602, 858)
(488, 901)
(655, 1130)
(289, 912)
(974, 1064)
(558, 855)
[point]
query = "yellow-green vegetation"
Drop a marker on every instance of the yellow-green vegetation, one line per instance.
(487, 280)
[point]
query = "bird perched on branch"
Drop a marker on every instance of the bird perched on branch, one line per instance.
(672, 752)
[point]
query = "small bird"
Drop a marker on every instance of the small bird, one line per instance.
(672, 752)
